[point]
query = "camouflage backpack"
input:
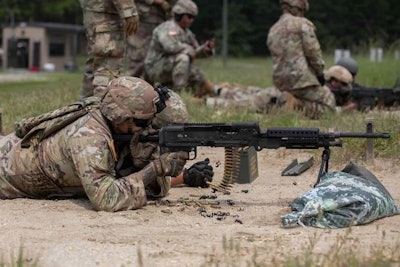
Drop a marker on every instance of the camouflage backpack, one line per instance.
(35, 129)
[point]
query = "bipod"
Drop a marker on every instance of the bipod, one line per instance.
(324, 164)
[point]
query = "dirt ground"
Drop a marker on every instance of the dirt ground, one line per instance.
(71, 233)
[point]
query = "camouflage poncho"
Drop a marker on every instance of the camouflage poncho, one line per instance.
(341, 200)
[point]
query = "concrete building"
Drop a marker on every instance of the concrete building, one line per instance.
(42, 46)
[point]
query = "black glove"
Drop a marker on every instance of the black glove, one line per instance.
(321, 80)
(198, 174)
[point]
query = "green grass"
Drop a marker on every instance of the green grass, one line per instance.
(24, 99)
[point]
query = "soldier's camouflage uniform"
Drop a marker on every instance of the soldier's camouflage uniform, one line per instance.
(103, 22)
(150, 16)
(341, 200)
(238, 96)
(297, 62)
(167, 60)
(175, 112)
(78, 160)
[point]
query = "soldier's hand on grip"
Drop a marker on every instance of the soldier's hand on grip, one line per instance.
(170, 164)
(141, 152)
(199, 174)
(131, 25)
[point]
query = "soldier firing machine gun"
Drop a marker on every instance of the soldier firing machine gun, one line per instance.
(188, 136)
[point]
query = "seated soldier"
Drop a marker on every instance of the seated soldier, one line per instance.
(173, 50)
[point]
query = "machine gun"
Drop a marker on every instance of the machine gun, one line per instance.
(188, 136)
(369, 98)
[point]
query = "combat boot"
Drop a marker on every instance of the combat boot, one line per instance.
(207, 88)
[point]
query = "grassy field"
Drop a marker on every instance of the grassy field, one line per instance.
(24, 98)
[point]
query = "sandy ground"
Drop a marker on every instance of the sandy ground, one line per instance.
(190, 231)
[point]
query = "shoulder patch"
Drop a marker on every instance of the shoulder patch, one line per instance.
(172, 33)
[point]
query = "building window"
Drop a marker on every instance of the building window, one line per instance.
(57, 49)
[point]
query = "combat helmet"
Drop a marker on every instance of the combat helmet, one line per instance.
(129, 97)
(339, 73)
(185, 7)
(350, 64)
(301, 4)
(174, 112)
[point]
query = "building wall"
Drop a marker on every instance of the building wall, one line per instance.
(55, 47)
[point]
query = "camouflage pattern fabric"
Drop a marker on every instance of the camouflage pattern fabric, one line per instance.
(297, 61)
(341, 200)
(175, 112)
(129, 97)
(239, 96)
(78, 160)
(103, 20)
(168, 61)
(151, 15)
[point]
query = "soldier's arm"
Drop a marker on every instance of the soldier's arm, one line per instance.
(169, 40)
(312, 48)
(94, 159)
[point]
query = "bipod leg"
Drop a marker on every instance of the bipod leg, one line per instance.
(324, 164)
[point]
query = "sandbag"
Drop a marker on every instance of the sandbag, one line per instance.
(342, 199)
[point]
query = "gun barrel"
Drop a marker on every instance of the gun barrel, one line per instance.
(363, 135)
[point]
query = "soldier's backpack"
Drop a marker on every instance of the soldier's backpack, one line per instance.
(35, 129)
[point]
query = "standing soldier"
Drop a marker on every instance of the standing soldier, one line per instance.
(297, 59)
(151, 14)
(107, 24)
(174, 48)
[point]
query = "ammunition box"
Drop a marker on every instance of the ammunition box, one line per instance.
(248, 166)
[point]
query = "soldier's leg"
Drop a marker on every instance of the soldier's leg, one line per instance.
(108, 46)
(316, 100)
(180, 72)
(87, 79)
(137, 46)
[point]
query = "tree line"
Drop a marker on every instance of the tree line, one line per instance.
(342, 24)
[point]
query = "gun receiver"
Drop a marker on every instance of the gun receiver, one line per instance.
(188, 136)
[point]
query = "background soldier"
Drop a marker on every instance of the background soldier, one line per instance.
(174, 48)
(80, 158)
(151, 14)
(107, 23)
(297, 59)
(339, 80)
(249, 97)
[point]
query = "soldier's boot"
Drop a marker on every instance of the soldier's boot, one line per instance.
(207, 88)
